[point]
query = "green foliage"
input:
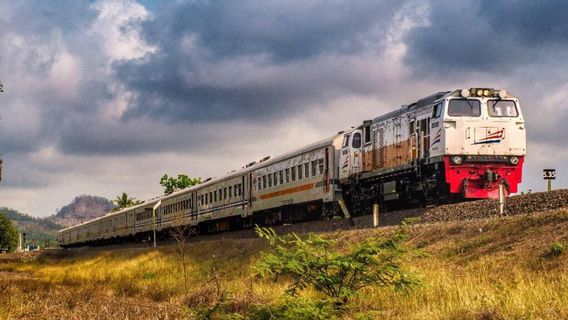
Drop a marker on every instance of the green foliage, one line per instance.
(40, 231)
(182, 181)
(124, 201)
(294, 308)
(316, 262)
(555, 250)
(8, 234)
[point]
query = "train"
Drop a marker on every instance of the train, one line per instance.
(446, 147)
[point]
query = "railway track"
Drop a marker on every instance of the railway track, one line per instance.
(464, 211)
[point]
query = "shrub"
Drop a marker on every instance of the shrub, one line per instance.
(293, 308)
(8, 234)
(316, 262)
(555, 250)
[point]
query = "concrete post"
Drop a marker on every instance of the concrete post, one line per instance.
(375, 215)
(19, 242)
(501, 199)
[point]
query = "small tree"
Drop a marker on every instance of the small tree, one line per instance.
(182, 181)
(181, 234)
(124, 201)
(8, 234)
(316, 262)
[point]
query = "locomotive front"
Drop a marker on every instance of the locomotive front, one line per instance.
(480, 135)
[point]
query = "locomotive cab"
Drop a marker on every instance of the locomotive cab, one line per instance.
(480, 136)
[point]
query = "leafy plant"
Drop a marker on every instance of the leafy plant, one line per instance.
(315, 262)
(182, 181)
(293, 308)
(8, 234)
(555, 250)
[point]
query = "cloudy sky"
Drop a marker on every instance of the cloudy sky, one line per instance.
(104, 97)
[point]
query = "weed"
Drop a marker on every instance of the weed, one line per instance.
(555, 250)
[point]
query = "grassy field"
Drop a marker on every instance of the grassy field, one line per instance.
(506, 268)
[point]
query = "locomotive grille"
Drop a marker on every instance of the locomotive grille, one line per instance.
(381, 148)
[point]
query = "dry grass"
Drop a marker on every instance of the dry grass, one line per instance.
(490, 269)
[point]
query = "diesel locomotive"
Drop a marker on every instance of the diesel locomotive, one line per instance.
(447, 147)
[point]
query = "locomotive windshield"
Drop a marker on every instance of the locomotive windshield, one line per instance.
(464, 108)
(502, 108)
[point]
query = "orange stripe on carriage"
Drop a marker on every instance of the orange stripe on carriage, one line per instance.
(303, 187)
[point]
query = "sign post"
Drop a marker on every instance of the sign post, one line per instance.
(549, 175)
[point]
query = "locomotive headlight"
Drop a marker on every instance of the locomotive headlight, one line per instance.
(486, 93)
(457, 159)
(465, 93)
(513, 160)
(479, 92)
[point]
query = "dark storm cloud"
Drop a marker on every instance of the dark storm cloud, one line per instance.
(287, 30)
(282, 35)
(488, 36)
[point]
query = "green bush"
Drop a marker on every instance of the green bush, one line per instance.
(555, 250)
(8, 234)
(295, 309)
(316, 262)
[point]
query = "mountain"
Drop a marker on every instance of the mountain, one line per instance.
(81, 209)
(38, 231)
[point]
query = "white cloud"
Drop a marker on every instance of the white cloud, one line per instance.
(118, 24)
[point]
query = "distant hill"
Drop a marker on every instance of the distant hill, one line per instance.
(81, 209)
(44, 230)
(37, 230)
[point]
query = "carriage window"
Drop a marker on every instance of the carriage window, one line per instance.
(281, 176)
(259, 183)
(299, 171)
(287, 171)
(269, 180)
(230, 191)
(320, 167)
(275, 179)
(314, 168)
(225, 193)
(293, 173)
(356, 143)
(215, 196)
(307, 169)
(263, 182)
(502, 108)
(464, 108)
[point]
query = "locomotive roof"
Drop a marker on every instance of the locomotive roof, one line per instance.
(415, 105)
